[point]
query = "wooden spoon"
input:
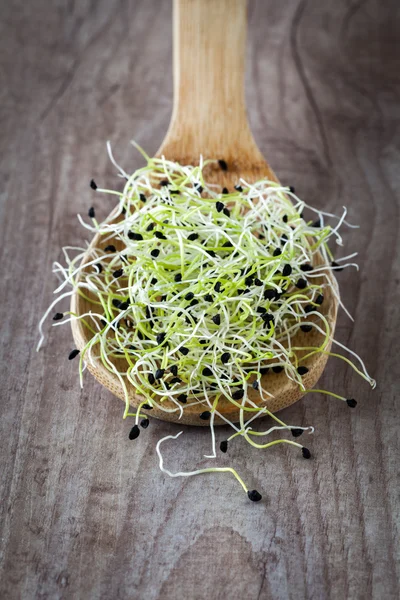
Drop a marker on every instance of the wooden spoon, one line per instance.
(209, 118)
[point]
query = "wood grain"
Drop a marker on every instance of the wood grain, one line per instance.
(85, 513)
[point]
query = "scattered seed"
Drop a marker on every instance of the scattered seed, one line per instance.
(58, 316)
(254, 496)
(91, 212)
(205, 416)
(296, 432)
(223, 446)
(302, 370)
(134, 432)
(73, 353)
(159, 373)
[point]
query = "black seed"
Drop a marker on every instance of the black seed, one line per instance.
(227, 212)
(255, 385)
(159, 373)
(123, 211)
(207, 372)
(216, 319)
(241, 291)
(155, 252)
(257, 281)
(184, 350)
(319, 300)
(159, 235)
(182, 398)
(91, 212)
(164, 182)
(223, 446)
(225, 190)
(163, 297)
(145, 423)
(194, 302)
(115, 302)
(306, 328)
(301, 284)
(291, 189)
(198, 187)
(284, 238)
(225, 357)
(153, 281)
(223, 165)
(269, 294)
(178, 277)
(239, 188)
(189, 296)
(296, 432)
(73, 353)
(135, 236)
(58, 316)
(306, 453)
(174, 192)
(302, 370)
(208, 298)
(277, 252)
(175, 380)
(103, 322)
(124, 305)
(174, 370)
(316, 223)
(227, 245)
(217, 286)
(238, 395)
(277, 369)
(267, 317)
(261, 309)
(306, 267)
(249, 281)
(193, 236)
(334, 264)
(309, 308)
(160, 338)
(287, 270)
(205, 416)
(110, 248)
(93, 184)
(151, 378)
(254, 496)
(285, 218)
(134, 432)
(118, 273)
(351, 402)
(264, 370)
(142, 197)
(219, 206)
(147, 406)
(150, 227)
(203, 342)
(211, 253)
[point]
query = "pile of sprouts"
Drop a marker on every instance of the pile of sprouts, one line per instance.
(201, 291)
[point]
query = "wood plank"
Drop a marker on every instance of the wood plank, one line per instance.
(84, 512)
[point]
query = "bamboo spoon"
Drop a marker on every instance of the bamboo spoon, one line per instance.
(209, 118)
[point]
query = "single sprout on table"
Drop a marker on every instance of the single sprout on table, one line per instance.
(201, 291)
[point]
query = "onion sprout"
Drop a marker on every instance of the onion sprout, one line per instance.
(201, 291)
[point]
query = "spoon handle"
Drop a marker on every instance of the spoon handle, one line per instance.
(209, 112)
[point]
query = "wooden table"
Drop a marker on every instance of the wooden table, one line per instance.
(85, 513)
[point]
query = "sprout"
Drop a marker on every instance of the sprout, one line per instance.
(203, 297)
